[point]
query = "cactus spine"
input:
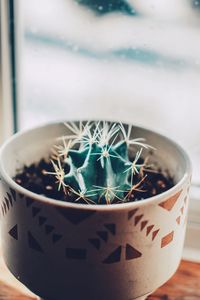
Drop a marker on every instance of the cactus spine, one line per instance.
(94, 165)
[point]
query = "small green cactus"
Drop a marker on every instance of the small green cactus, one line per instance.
(94, 165)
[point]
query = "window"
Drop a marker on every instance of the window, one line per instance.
(6, 75)
(134, 60)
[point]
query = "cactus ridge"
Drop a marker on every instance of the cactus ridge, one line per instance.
(93, 163)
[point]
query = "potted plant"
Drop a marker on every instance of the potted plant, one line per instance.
(102, 216)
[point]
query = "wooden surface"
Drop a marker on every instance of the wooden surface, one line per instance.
(184, 285)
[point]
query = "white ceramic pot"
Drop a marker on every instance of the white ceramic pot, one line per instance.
(100, 252)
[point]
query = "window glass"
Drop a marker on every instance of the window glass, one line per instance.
(133, 60)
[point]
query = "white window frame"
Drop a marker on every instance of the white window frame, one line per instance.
(6, 87)
(6, 102)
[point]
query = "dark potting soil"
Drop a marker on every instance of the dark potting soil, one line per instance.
(34, 179)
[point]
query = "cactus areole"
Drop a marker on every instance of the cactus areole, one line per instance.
(94, 163)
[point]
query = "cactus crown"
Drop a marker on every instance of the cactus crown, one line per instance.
(93, 164)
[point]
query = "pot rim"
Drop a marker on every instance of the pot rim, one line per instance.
(103, 207)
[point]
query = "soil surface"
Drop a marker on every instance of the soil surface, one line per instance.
(35, 179)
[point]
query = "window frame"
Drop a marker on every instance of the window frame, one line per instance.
(8, 91)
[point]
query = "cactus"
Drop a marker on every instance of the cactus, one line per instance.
(94, 165)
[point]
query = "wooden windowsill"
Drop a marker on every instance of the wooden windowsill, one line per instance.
(184, 285)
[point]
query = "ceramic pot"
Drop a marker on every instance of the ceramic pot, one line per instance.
(100, 252)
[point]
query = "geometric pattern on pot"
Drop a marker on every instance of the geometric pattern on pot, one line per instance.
(13, 232)
(8, 201)
(106, 234)
(32, 242)
(40, 220)
(102, 235)
(75, 216)
(167, 239)
(170, 202)
(168, 206)
(145, 227)
(182, 216)
(115, 256)
(138, 219)
(148, 226)
(49, 229)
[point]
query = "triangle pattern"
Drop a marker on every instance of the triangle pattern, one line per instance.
(49, 229)
(5, 207)
(167, 239)
(14, 232)
(7, 203)
(169, 203)
(33, 243)
(138, 218)
(10, 199)
(35, 211)
(111, 228)
(149, 228)
(2, 209)
(56, 237)
(103, 235)
(13, 194)
(154, 234)
(143, 224)
(132, 253)
(96, 243)
(114, 257)
(75, 216)
(131, 213)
